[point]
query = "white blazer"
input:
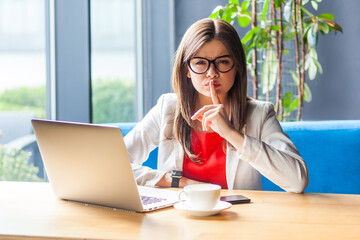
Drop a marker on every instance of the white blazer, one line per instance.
(267, 149)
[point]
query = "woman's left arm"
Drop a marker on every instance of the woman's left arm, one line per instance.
(273, 154)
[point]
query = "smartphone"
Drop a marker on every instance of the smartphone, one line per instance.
(235, 199)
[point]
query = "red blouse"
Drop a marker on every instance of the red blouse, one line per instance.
(210, 149)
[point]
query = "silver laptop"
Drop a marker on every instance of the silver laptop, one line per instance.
(89, 163)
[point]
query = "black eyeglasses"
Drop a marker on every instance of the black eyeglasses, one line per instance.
(200, 65)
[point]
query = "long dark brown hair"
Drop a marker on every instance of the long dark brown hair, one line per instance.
(201, 32)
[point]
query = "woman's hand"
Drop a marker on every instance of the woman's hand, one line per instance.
(214, 116)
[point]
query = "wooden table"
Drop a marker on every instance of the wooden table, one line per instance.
(31, 211)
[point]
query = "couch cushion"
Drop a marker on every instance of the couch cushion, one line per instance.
(331, 150)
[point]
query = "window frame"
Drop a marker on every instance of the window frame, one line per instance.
(68, 54)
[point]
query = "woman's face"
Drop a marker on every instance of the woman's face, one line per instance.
(222, 81)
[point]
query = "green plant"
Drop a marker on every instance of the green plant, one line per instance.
(14, 166)
(29, 99)
(113, 100)
(278, 24)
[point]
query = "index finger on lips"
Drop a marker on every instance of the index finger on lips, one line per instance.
(214, 97)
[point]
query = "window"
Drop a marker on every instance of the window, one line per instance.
(22, 86)
(113, 60)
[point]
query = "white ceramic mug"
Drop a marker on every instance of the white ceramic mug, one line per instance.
(201, 197)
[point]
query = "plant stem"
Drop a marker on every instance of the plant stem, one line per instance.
(254, 54)
(268, 57)
(297, 53)
(279, 51)
(303, 52)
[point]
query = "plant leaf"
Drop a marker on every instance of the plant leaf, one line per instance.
(250, 35)
(318, 65)
(307, 62)
(228, 17)
(275, 27)
(216, 12)
(294, 77)
(314, 4)
(245, 5)
(312, 35)
(312, 52)
(333, 25)
(312, 70)
(234, 2)
(286, 99)
(244, 19)
(265, 10)
(294, 104)
(307, 93)
(288, 103)
(307, 20)
(278, 3)
(327, 16)
(324, 27)
(269, 71)
(287, 10)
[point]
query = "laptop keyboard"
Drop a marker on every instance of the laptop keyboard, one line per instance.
(149, 200)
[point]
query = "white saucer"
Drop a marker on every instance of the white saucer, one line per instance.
(222, 205)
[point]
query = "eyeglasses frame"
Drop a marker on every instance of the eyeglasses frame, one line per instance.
(210, 61)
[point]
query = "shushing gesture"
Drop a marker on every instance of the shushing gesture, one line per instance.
(214, 117)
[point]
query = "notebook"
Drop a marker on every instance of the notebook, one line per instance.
(89, 163)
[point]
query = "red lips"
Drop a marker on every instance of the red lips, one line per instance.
(215, 84)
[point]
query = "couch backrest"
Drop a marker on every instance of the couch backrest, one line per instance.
(125, 129)
(331, 150)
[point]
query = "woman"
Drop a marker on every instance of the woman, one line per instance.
(209, 130)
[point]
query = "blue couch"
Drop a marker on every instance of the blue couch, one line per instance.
(331, 150)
